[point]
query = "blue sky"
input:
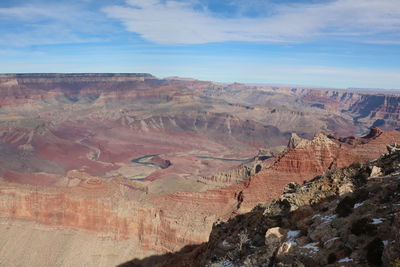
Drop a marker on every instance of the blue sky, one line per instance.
(331, 43)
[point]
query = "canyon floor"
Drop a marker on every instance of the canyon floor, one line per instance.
(98, 169)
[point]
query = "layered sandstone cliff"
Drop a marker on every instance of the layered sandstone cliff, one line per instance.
(70, 150)
(162, 223)
(347, 217)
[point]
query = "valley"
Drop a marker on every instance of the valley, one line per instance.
(147, 165)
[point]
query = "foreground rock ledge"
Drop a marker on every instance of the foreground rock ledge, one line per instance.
(313, 224)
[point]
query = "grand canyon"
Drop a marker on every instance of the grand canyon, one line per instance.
(108, 169)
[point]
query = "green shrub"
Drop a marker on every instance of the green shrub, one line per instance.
(363, 227)
(345, 207)
(332, 258)
(361, 195)
(374, 252)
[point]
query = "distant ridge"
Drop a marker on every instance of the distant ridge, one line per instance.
(74, 75)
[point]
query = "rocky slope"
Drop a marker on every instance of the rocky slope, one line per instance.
(152, 163)
(120, 209)
(346, 217)
(306, 158)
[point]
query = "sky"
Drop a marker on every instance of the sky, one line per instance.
(328, 43)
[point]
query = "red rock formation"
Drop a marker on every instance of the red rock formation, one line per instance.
(309, 158)
(98, 138)
(168, 222)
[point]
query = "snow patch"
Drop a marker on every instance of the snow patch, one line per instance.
(226, 264)
(377, 220)
(225, 243)
(293, 234)
(328, 218)
(316, 215)
(312, 246)
(330, 240)
(347, 259)
(358, 205)
(325, 219)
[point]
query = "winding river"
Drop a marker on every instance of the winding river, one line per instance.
(223, 159)
(142, 159)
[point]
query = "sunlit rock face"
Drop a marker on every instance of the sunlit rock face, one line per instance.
(316, 223)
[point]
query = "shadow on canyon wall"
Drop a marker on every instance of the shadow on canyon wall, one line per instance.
(157, 259)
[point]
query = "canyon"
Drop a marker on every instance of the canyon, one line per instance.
(131, 165)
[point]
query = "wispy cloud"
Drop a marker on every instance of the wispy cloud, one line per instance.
(49, 24)
(177, 22)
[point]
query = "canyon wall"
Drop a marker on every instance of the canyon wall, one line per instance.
(162, 223)
(67, 144)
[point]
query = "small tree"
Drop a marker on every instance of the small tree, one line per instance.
(243, 239)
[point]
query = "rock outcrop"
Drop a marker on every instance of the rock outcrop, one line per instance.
(305, 159)
(314, 224)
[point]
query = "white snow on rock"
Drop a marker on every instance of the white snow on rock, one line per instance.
(377, 220)
(225, 264)
(291, 235)
(316, 215)
(325, 219)
(330, 240)
(328, 218)
(312, 246)
(358, 205)
(347, 259)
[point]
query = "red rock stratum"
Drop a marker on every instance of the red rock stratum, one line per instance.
(96, 169)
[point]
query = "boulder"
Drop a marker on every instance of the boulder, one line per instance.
(275, 236)
(376, 172)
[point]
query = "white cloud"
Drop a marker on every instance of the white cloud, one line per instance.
(49, 24)
(175, 22)
(35, 13)
(25, 12)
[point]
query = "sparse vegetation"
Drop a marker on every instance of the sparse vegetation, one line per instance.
(345, 206)
(395, 263)
(363, 227)
(258, 168)
(374, 252)
(332, 258)
(243, 239)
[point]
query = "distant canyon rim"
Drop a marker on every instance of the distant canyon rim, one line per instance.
(98, 169)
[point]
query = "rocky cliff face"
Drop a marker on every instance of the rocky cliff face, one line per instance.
(107, 209)
(365, 108)
(120, 209)
(380, 110)
(71, 149)
(306, 158)
(347, 217)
